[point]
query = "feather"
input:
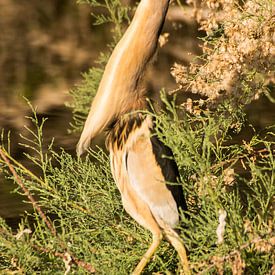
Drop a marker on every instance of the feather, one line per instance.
(165, 159)
(147, 179)
(142, 161)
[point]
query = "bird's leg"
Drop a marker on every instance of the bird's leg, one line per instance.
(157, 237)
(177, 243)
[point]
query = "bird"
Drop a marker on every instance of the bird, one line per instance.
(136, 154)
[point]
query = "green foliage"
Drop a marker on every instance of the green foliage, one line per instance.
(114, 12)
(83, 204)
(208, 162)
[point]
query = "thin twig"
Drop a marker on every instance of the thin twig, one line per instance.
(63, 256)
(27, 193)
(240, 158)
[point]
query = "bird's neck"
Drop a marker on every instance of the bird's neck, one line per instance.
(120, 87)
(140, 40)
(133, 53)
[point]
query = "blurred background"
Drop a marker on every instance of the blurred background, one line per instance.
(44, 48)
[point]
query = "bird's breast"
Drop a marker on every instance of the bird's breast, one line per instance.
(136, 164)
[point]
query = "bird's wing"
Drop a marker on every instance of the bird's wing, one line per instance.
(146, 178)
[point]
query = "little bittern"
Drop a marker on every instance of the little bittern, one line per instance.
(137, 165)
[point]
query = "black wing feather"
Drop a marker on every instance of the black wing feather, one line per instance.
(165, 160)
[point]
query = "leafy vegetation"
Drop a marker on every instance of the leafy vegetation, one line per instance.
(79, 226)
